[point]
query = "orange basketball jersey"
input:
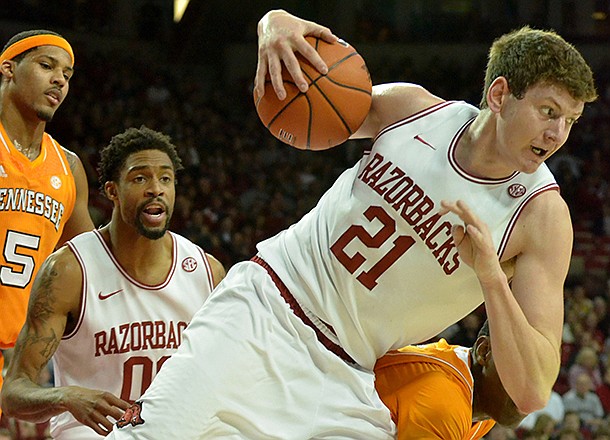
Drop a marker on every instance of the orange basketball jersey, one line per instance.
(429, 391)
(36, 200)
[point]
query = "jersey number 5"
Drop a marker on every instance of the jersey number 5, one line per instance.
(401, 244)
(18, 278)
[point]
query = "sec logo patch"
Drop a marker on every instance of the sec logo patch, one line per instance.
(55, 182)
(189, 264)
(516, 190)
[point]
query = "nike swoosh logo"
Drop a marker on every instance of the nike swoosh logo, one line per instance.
(419, 138)
(108, 295)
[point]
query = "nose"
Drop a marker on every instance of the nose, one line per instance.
(59, 78)
(558, 131)
(154, 189)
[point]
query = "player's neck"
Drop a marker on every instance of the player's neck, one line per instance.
(477, 151)
(148, 261)
(25, 134)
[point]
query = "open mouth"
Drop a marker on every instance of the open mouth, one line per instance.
(154, 211)
(539, 151)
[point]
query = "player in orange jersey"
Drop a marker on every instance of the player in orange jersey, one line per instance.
(43, 187)
(442, 391)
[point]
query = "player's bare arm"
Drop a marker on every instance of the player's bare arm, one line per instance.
(280, 35)
(528, 313)
(218, 270)
(80, 219)
(393, 102)
(544, 244)
(54, 306)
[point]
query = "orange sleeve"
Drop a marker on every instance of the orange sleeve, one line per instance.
(430, 406)
(479, 429)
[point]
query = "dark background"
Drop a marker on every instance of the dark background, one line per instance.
(193, 79)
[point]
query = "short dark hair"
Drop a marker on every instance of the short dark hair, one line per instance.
(132, 140)
(526, 57)
(22, 36)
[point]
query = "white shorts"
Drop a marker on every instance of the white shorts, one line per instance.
(248, 367)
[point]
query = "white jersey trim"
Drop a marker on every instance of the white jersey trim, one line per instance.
(83, 293)
(61, 159)
(208, 267)
(129, 278)
(513, 221)
(413, 117)
(133, 280)
(4, 143)
(461, 171)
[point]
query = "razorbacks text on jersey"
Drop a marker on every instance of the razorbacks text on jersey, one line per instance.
(126, 329)
(362, 260)
(371, 268)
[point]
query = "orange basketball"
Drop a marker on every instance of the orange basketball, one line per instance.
(332, 109)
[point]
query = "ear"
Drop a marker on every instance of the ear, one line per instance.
(497, 93)
(7, 68)
(110, 190)
(482, 351)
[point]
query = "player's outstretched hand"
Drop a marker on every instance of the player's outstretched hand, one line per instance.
(473, 241)
(280, 35)
(93, 407)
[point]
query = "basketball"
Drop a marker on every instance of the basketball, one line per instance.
(332, 109)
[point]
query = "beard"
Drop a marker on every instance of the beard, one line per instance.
(150, 233)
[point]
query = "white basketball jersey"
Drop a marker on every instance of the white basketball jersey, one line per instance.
(373, 260)
(126, 329)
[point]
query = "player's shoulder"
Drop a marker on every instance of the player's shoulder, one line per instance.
(73, 159)
(60, 267)
(63, 258)
(547, 212)
(393, 102)
(405, 98)
(218, 270)
(548, 209)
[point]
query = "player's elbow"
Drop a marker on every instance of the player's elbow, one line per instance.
(531, 400)
(7, 400)
(532, 391)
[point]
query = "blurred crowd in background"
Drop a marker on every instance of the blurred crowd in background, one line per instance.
(241, 185)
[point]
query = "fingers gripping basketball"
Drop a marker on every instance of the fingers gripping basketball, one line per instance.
(332, 109)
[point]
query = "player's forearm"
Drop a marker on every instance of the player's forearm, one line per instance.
(527, 361)
(26, 400)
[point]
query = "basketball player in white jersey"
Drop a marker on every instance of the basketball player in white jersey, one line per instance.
(111, 306)
(390, 257)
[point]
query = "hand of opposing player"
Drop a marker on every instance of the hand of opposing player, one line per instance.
(280, 35)
(473, 241)
(93, 407)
